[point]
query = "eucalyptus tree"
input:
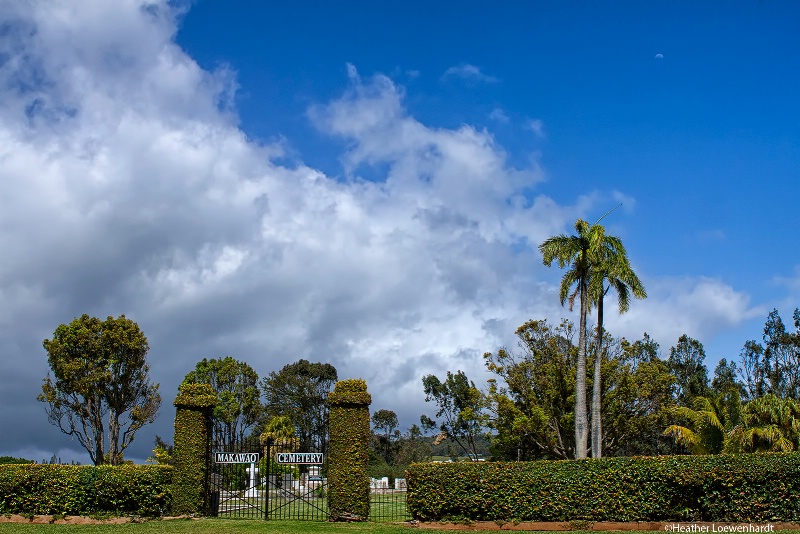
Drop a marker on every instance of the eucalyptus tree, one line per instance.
(461, 407)
(614, 269)
(582, 254)
(385, 433)
(300, 391)
(686, 362)
(726, 378)
(774, 366)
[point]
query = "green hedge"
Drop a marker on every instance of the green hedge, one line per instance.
(12, 460)
(194, 405)
(734, 488)
(141, 490)
(348, 471)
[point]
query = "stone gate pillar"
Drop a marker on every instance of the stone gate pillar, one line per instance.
(348, 468)
(194, 405)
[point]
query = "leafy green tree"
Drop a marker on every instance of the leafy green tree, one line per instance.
(532, 400)
(686, 363)
(163, 452)
(615, 269)
(385, 432)
(583, 253)
(462, 408)
(239, 407)
(769, 424)
(533, 403)
(385, 421)
(774, 367)
(755, 370)
(643, 350)
(407, 448)
(636, 399)
(300, 391)
(726, 378)
(412, 447)
(100, 391)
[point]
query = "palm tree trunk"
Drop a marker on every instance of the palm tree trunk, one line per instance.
(597, 423)
(581, 415)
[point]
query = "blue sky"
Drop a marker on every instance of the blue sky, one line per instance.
(366, 184)
(688, 111)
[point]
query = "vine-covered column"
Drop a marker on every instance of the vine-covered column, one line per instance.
(194, 405)
(348, 468)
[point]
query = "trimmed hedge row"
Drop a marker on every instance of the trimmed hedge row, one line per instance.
(730, 488)
(142, 490)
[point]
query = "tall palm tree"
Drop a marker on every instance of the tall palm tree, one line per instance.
(616, 270)
(583, 253)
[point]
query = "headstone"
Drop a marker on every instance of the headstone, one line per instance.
(400, 484)
(378, 484)
(314, 478)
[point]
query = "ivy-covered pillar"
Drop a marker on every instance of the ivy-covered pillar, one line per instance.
(348, 468)
(194, 405)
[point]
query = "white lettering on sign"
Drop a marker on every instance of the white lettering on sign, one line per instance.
(307, 458)
(236, 457)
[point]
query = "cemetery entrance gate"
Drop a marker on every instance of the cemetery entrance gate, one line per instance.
(276, 480)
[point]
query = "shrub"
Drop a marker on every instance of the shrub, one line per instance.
(732, 488)
(84, 489)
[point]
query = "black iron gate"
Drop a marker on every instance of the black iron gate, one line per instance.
(270, 481)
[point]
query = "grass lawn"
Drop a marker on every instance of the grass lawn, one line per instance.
(217, 526)
(208, 526)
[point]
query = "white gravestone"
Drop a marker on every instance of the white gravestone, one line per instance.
(252, 481)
